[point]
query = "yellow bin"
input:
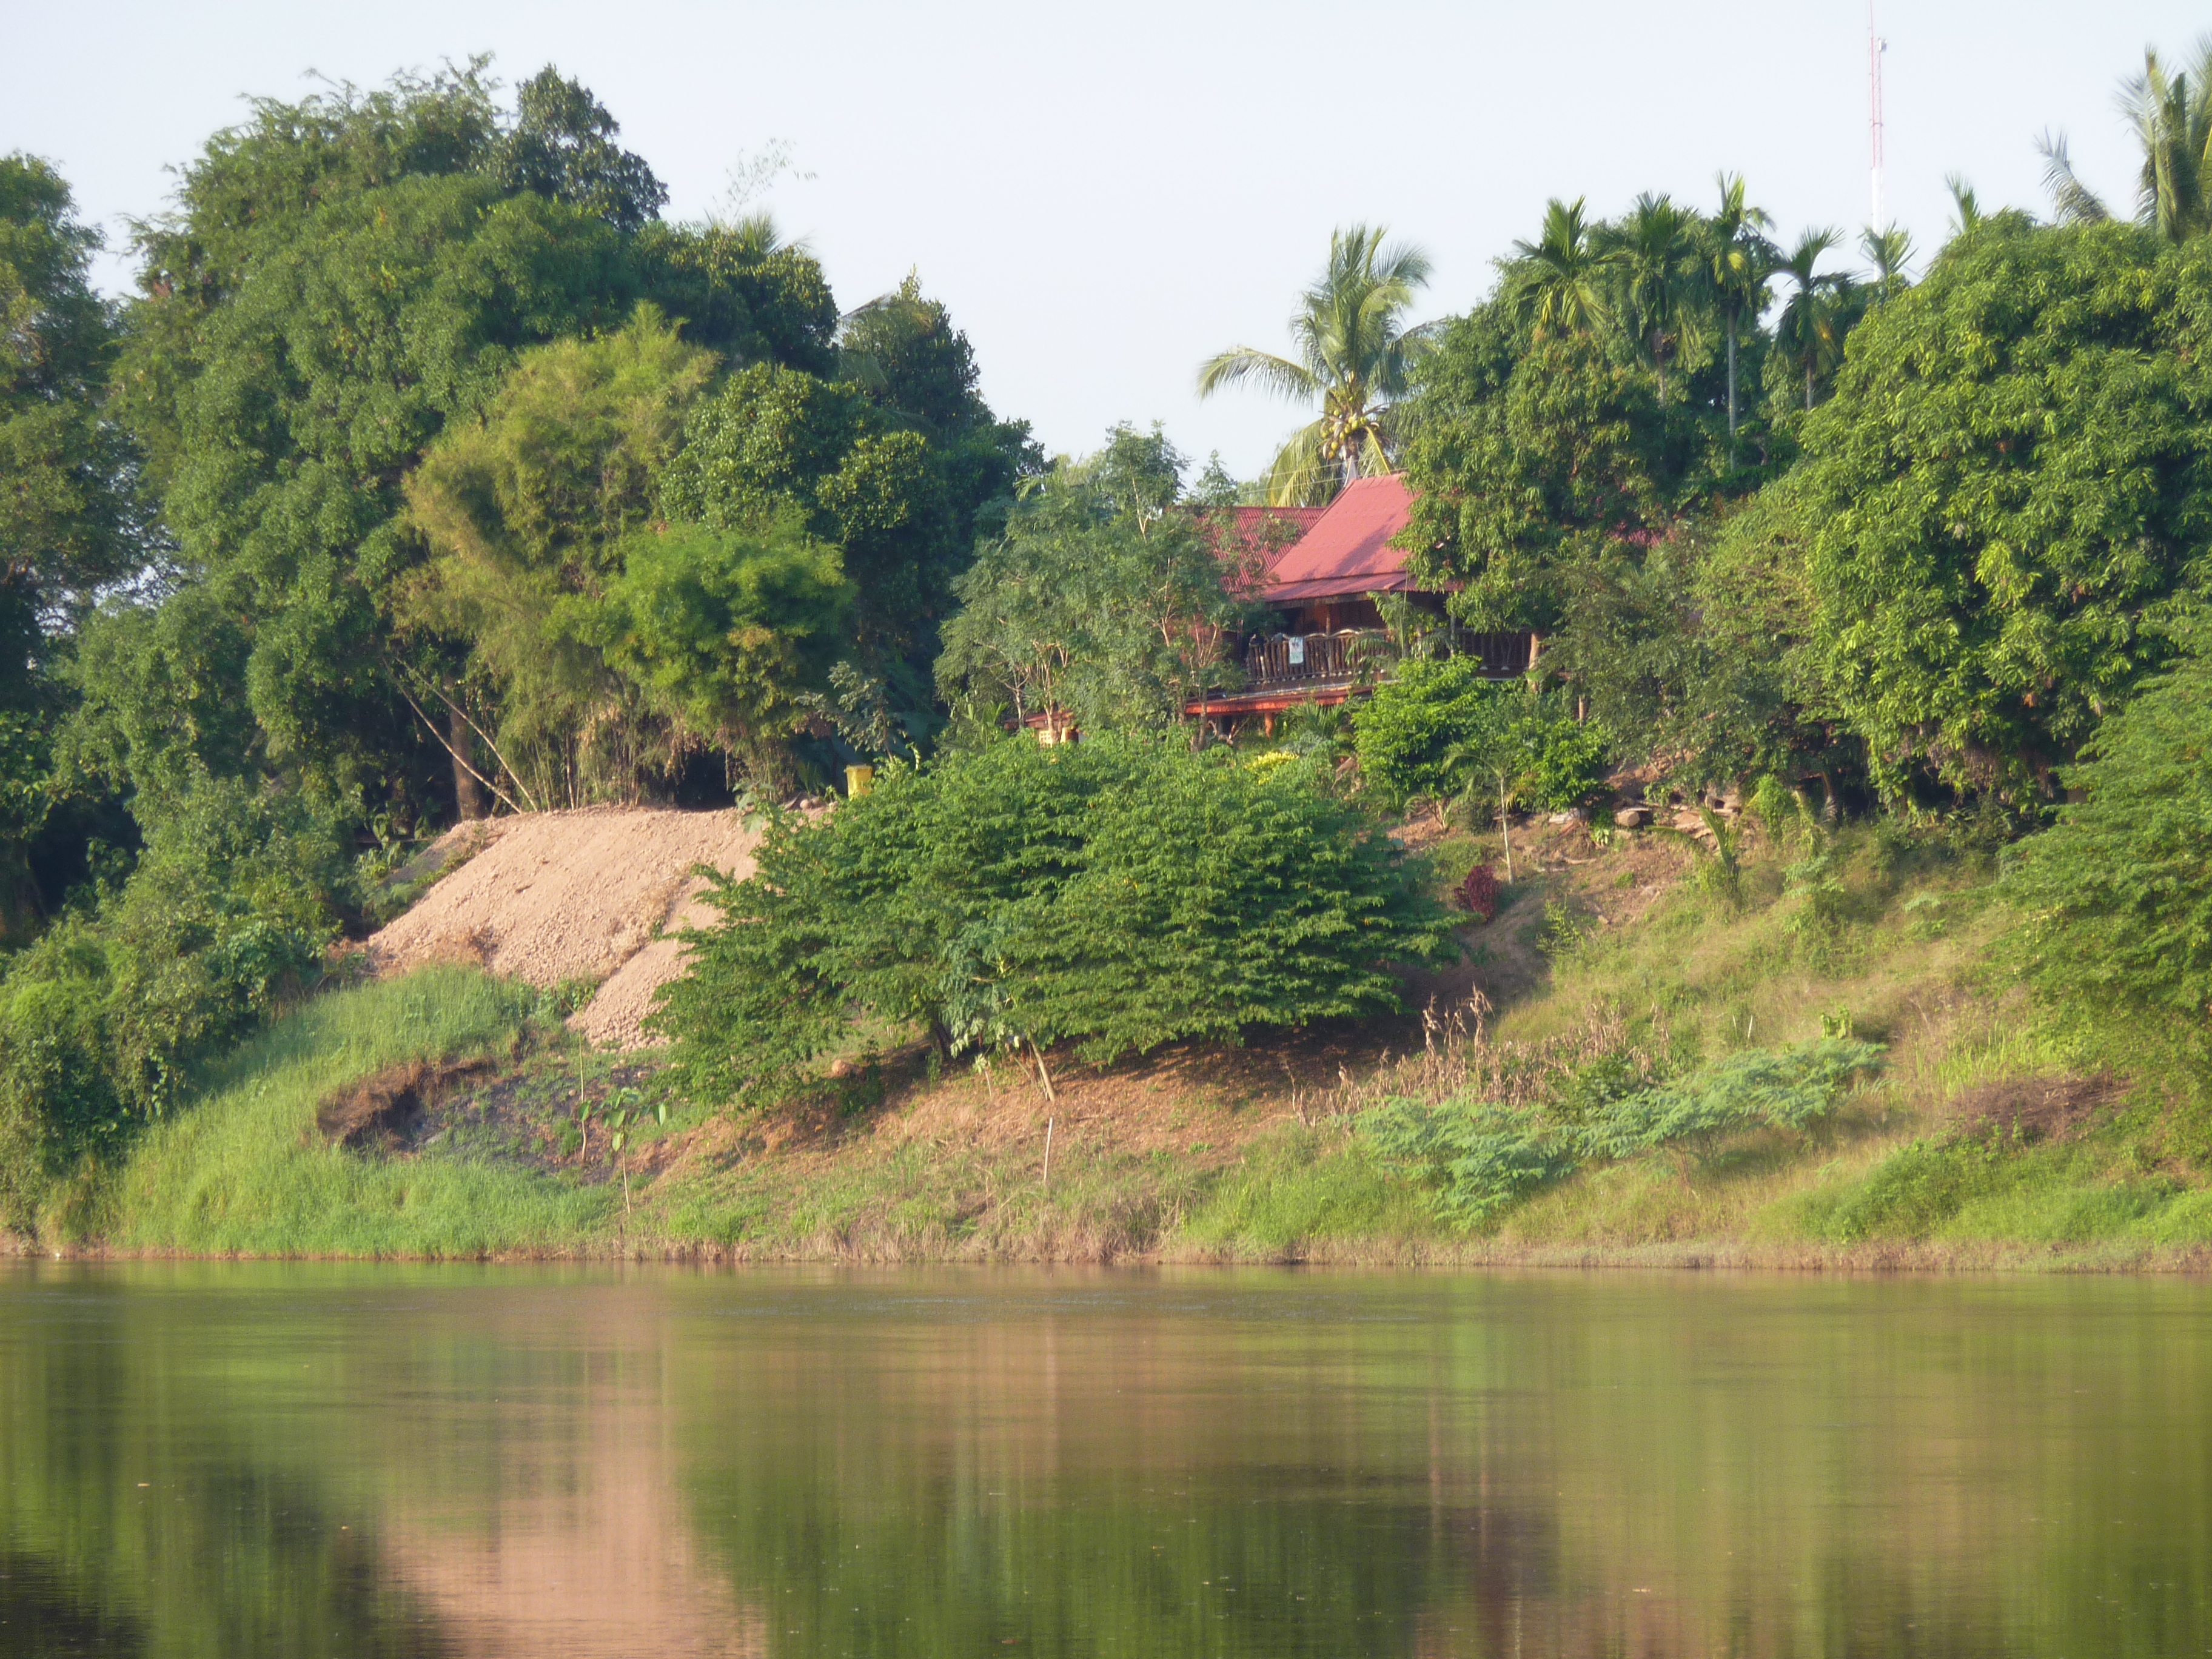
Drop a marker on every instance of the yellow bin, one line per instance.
(858, 780)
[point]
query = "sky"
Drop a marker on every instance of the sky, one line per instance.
(1105, 196)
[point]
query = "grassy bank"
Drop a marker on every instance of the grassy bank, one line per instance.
(1993, 1134)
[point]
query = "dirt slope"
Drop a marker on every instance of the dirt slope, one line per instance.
(551, 897)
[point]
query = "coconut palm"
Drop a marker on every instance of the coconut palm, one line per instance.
(1655, 270)
(2171, 115)
(1559, 282)
(1888, 252)
(1810, 327)
(1354, 353)
(1738, 262)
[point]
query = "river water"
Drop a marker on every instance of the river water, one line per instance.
(245, 1460)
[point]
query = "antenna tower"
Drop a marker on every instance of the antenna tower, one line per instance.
(1876, 46)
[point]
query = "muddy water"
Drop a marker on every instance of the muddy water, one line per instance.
(248, 1460)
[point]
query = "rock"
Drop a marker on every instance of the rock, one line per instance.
(1633, 817)
(1572, 815)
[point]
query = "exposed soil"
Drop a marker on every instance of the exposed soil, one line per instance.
(385, 1110)
(556, 897)
(2038, 1109)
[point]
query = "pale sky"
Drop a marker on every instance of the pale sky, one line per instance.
(1105, 195)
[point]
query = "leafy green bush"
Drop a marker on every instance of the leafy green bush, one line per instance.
(102, 1020)
(1414, 721)
(1484, 1157)
(1438, 727)
(1116, 894)
(2117, 897)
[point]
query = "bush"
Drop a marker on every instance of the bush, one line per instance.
(1438, 727)
(1116, 894)
(103, 1019)
(2117, 897)
(1484, 1157)
(1414, 722)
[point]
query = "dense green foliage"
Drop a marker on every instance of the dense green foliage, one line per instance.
(1115, 893)
(1099, 603)
(1437, 728)
(2011, 493)
(1484, 1157)
(104, 1020)
(67, 522)
(2116, 895)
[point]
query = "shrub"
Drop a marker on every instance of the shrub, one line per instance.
(1414, 722)
(1116, 894)
(1438, 727)
(2117, 895)
(1483, 1157)
(103, 1019)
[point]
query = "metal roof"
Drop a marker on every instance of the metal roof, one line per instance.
(1348, 549)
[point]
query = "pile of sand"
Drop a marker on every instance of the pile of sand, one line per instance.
(552, 898)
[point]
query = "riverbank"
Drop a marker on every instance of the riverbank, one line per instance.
(447, 1113)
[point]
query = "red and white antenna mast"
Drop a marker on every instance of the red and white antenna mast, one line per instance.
(1876, 46)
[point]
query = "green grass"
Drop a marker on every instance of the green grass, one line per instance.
(1309, 1193)
(243, 1170)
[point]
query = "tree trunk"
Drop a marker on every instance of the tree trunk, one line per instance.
(1808, 385)
(468, 794)
(1731, 337)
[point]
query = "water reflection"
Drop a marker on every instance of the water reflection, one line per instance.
(249, 1460)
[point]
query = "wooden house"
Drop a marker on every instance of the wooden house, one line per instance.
(1328, 642)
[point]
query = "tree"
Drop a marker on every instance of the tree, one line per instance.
(902, 348)
(2172, 120)
(1656, 267)
(1520, 454)
(1967, 215)
(724, 632)
(2116, 904)
(526, 512)
(740, 290)
(1811, 328)
(343, 276)
(1738, 261)
(67, 523)
(2007, 498)
(1888, 252)
(1096, 606)
(1354, 354)
(1559, 282)
(561, 146)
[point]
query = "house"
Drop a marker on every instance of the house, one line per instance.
(1329, 641)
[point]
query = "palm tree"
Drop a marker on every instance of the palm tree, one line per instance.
(1966, 213)
(1656, 270)
(2172, 119)
(1808, 327)
(1738, 261)
(1888, 252)
(1354, 353)
(1558, 281)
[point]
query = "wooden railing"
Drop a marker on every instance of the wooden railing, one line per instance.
(1357, 654)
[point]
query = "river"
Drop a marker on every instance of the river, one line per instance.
(240, 1460)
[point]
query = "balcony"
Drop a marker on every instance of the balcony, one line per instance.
(1358, 656)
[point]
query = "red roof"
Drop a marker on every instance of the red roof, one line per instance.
(1348, 549)
(1251, 524)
